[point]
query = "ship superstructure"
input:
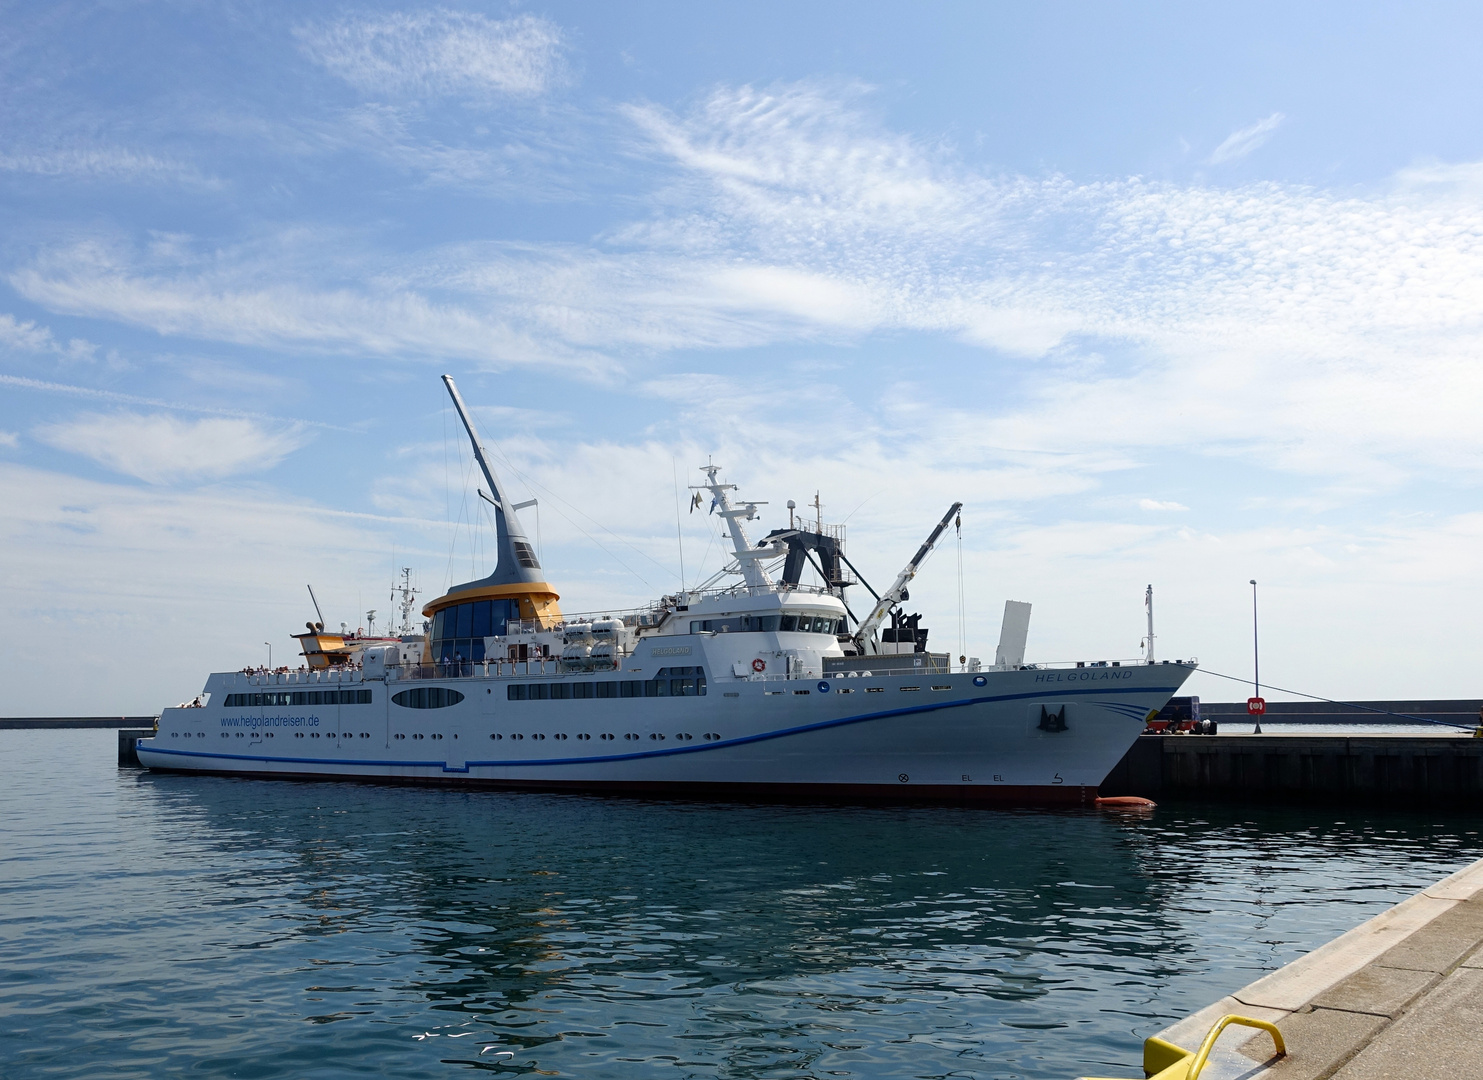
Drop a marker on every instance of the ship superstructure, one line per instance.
(751, 683)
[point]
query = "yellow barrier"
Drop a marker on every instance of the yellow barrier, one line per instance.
(1165, 1061)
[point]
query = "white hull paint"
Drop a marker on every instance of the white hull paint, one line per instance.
(961, 736)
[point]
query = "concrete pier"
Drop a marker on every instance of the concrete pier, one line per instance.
(1430, 768)
(1399, 996)
(53, 723)
(128, 749)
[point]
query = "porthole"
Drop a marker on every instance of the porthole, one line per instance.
(584, 737)
(517, 736)
(298, 734)
(270, 734)
(495, 737)
(712, 736)
(630, 735)
(656, 735)
(239, 734)
(399, 736)
(684, 737)
(607, 737)
(561, 736)
(538, 735)
(200, 734)
(313, 734)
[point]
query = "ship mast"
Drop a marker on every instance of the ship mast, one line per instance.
(517, 558)
(749, 559)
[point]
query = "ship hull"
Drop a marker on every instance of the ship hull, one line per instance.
(1036, 736)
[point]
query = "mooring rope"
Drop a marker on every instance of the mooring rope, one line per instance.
(1346, 704)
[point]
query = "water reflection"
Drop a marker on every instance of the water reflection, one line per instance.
(281, 928)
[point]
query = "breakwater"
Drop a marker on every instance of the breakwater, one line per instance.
(57, 723)
(1426, 768)
(1462, 712)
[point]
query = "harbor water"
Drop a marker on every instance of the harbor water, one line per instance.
(156, 925)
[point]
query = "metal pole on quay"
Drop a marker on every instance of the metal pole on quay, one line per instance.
(1256, 662)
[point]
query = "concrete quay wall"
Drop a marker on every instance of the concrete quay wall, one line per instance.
(1398, 996)
(1424, 768)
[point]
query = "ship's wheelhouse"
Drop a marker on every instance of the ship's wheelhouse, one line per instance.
(459, 630)
(791, 622)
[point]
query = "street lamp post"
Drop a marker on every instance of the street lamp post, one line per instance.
(269, 644)
(1256, 658)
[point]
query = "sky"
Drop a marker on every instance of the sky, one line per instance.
(1181, 295)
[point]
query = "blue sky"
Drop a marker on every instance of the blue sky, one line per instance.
(1169, 295)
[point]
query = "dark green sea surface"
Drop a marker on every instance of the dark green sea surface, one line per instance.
(171, 925)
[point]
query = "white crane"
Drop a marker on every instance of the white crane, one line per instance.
(865, 636)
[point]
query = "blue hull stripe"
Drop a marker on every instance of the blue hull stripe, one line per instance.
(670, 751)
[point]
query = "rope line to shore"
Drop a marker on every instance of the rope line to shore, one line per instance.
(1346, 704)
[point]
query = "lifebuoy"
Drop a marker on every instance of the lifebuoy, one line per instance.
(759, 665)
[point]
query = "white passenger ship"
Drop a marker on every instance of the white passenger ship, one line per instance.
(761, 686)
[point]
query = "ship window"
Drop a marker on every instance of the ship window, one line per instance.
(540, 691)
(560, 691)
(459, 631)
(790, 622)
(582, 690)
(481, 619)
(631, 688)
(525, 555)
(515, 692)
(426, 697)
(606, 689)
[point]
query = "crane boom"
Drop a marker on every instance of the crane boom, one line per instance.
(865, 635)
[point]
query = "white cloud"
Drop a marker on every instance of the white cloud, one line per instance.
(105, 163)
(203, 574)
(440, 53)
(249, 296)
(1243, 141)
(162, 449)
(28, 337)
(9, 439)
(1154, 504)
(1347, 324)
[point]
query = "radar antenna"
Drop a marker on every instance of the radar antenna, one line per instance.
(405, 598)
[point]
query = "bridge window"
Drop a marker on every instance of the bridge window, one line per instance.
(813, 624)
(459, 631)
(736, 624)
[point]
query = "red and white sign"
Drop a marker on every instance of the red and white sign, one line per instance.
(1256, 706)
